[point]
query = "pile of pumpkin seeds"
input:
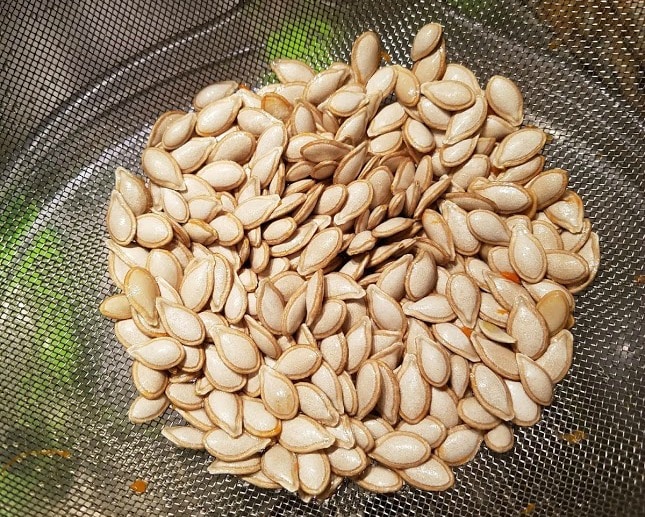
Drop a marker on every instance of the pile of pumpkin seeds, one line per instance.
(326, 285)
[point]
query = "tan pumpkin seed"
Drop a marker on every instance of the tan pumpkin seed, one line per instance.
(153, 231)
(298, 362)
(429, 429)
(385, 311)
(186, 436)
(418, 136)
(527, 412)
(386, 143)
(432, 475)
(449, 95)
(379, 479)
(497, 357)
(415, 392)
(556, 359)
(459, 375)
(180, 322)
(507, 197)
(141, 291)
(431, 67)
(529, 328)
(223, 175)
(475, 415)
(389, 401)
(116, 307)
(314, 472)
(303, 434)
(330, 320)
(456, 340)
(121, 221)
(144, 410)
(236, 349)
(466, 123)
(347, 462)
(183, 395)
(456, 218)
(256, 210)
(407, 88)
(213, 92)
(225, 410)
(323, 84)
(401, 450)
(505, 292)
(392, 279)
(162, 168)
(434, 362)
(524, 172)
(315, 404)
(150, 383)
(488, 227)
(218, 116)
(549, 187)
(237, 146)
(491, 391)
(566, 267)
(527, 255)
(320, 250)
(129, 335)
(434, 308)
(192, 155)
(220, 375)
(499, 439)
(240, 468)
(464, 297)
(505, 99)
(366, 56)
(225, 447)
(495, 333)
(426, 40)
(270, 306)
(460, 446)
(278, 393)
(519, 147)
(535, 380)
(554, 308)
(443, 406)
(257, 420)
(368, 387)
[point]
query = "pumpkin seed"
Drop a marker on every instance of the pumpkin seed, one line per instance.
(162, 168)
(526, 411)
(491, 391)
(144, 410)
(385, 311)
(303, 434)
(426, 40)
(460, 446)
(415, 392)
(366, 56)
(432, 475)
(535, 380)
(150, 383)
(499, 439)
(379, 479)
(368, 387)
(400, 450)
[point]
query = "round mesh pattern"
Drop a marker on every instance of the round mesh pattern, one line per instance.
(83, 82)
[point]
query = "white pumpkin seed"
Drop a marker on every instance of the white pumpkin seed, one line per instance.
(491, 391)
(401, 450)
(303, 434)
(499, 439)
(460, 446)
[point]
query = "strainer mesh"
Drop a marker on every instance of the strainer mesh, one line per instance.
(81, 84)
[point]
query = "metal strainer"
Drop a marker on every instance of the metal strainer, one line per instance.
(81, 84)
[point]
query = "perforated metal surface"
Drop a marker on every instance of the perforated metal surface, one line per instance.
(81, 84)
